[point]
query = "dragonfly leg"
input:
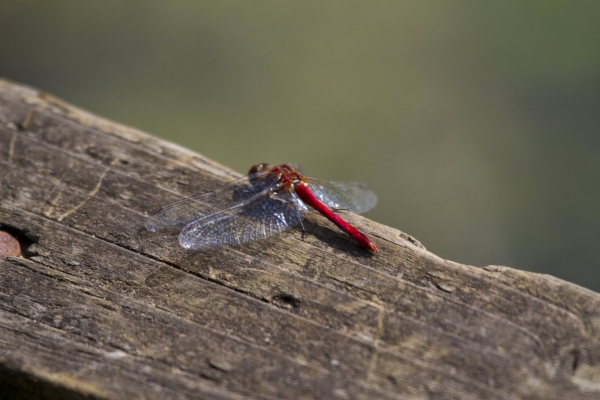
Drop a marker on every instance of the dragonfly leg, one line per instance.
(303, 230)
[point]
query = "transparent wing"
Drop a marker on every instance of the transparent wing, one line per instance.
(256, 218)
(352, 196)
(182, 212)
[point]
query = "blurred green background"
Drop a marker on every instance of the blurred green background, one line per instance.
(476, 123)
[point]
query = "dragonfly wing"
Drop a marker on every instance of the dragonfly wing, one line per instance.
(351, 196)
(176, 214)
(258, 218)
(180, 213)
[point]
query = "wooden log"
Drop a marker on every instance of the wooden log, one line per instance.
(98, 307)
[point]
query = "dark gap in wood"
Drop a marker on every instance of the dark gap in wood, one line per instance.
(575, 361)
(25, 238)
(18, 385)
(287, 299)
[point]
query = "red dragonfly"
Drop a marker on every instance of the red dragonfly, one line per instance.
(266, 202)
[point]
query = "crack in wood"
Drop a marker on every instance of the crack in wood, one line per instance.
(91, 194)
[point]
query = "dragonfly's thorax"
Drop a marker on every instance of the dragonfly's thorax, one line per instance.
(287, 175)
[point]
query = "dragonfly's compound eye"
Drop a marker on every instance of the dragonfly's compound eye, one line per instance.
(257, 168)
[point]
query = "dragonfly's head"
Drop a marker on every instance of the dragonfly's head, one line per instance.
(258, 168)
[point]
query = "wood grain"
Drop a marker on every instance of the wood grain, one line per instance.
(99, 307)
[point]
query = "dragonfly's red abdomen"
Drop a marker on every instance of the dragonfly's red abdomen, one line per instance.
(304, 192)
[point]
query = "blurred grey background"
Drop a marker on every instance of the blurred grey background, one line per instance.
(476, 123)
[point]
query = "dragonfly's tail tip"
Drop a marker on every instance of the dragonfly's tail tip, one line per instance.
(371, 246)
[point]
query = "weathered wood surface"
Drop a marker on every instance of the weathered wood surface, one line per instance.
(99, 307)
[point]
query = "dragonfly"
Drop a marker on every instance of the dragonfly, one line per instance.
(269, 200)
